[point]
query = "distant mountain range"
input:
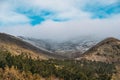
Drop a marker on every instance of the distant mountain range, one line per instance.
(84, 48)
(71, 49)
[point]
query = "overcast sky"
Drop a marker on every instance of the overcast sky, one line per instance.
(60, 19)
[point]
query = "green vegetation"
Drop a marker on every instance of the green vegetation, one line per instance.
(61, 69)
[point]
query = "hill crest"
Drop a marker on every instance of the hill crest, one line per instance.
(107, 50)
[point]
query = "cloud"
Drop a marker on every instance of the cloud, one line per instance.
(9, 17)
(37, 11)
(99, 10)
(60, 19)
(70, 29)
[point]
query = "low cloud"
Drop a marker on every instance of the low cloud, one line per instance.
(71, 29)
(59, 19)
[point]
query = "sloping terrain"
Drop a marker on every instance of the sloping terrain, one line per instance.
(25, 68)
(20, 67)
(107, 50)
(17, 46)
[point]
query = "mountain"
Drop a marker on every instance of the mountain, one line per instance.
(70, 48)
(16, 46)
(19, 67)
(107, 50)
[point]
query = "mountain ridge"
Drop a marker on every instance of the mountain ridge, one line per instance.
(17, 46)
(107, 50)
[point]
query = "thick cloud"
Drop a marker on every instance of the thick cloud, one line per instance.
(60, 19)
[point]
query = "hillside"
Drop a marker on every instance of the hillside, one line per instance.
(17, 46)
(107, 50)
(24, 68)
(17, 62)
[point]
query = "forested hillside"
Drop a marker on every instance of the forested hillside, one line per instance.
(23, 68)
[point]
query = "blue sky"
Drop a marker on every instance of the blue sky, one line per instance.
(60, 18)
